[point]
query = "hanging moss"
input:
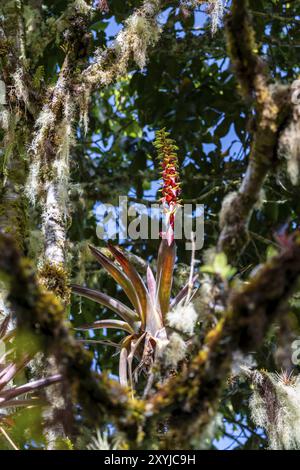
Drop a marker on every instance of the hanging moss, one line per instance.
(140, 33)
(275, 407)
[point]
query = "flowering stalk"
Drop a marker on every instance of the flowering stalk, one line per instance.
(170, 190)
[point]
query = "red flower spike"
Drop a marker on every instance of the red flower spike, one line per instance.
(171, 182)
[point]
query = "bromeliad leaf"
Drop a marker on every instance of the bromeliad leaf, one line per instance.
(118, 324)
(151, 283)
(119, 277)
(135, 278)
(164, 277)
(123, 367)
(11, 370)
(121, 309)
(27, 388)
(9, 394)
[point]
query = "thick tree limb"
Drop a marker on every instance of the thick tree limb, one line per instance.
(16, 126)
(13, 213)
(40, 314)
(190, 399)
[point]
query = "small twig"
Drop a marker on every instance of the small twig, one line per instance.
(99, 341)
(274, 16)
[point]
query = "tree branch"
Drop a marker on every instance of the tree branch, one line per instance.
(141, 31)
(272, 106)
(189, 400)
(41, 316)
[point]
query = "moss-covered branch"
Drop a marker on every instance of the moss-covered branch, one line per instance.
(271, 106)
(243, 50)
(189, 400)
(48, 181)
(15, 125)
(40, 315)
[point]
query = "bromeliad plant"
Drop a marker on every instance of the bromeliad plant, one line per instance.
(146, 320)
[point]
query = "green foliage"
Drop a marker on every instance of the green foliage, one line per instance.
(220, 267)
